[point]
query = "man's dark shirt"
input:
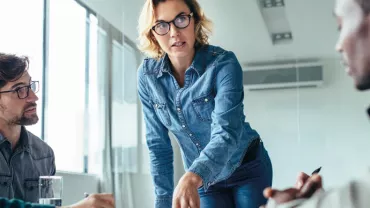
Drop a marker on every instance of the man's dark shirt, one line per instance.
(20, 169)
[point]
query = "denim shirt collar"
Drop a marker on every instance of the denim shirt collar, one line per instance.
(197, 64)
(164, 65)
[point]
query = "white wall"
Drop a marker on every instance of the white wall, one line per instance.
(122, 14)
(75, 185)
(307, 128)
(111, 10)
(131, 9)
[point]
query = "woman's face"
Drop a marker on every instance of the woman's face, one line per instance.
(176, 42)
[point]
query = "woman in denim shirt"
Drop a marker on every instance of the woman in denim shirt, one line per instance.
(195, 90)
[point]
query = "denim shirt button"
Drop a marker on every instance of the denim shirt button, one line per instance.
(206, 100)
(190, 134)
(183, 126)
(178, 109)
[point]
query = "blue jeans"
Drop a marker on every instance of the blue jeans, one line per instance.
(244, 188)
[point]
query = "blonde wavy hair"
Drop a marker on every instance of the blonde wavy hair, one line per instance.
(147, 43)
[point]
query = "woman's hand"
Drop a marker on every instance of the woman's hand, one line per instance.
(186, 192)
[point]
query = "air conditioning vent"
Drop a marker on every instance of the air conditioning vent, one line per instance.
(282, 76)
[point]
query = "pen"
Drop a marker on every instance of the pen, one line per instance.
(316, 171)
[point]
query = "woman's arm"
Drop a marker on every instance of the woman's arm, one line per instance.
(160, 148)
(227, 120)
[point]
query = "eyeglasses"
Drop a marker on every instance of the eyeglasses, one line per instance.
(23, 92)
(181, 22)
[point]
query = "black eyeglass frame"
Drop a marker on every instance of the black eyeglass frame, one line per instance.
(28, 87)
(173, 21)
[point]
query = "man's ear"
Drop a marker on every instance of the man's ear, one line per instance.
(365, 27)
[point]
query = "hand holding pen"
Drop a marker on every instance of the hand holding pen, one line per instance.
(305, 187)
(303, 177)
(308, 185)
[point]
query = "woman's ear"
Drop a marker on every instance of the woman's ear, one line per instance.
(153, 37)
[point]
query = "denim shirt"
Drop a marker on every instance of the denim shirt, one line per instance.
(206, 116)
(20, 169)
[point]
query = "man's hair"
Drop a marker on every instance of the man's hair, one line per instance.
(365, 6)
(12, 67)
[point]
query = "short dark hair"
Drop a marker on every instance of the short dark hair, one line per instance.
(365, 6)
(12, 67)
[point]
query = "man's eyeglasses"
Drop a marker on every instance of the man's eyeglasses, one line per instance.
(181, 22)
(24, 91)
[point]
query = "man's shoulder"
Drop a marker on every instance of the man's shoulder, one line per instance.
(39, 149)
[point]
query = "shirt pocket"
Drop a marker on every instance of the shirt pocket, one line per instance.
(204, 106)
(162, 112)
(31, 190)
(5, 182)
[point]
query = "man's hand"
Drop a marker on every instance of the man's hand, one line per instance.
(96, 201)
(305, 187)
(186, 192)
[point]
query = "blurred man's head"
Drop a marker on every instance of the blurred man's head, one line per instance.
(354, 40)
(17, 91)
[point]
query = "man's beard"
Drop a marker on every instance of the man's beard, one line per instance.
(26, 121)
(363, 80)
(364, 84)
(23, 119)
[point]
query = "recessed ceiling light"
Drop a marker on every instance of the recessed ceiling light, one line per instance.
(272, 3)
